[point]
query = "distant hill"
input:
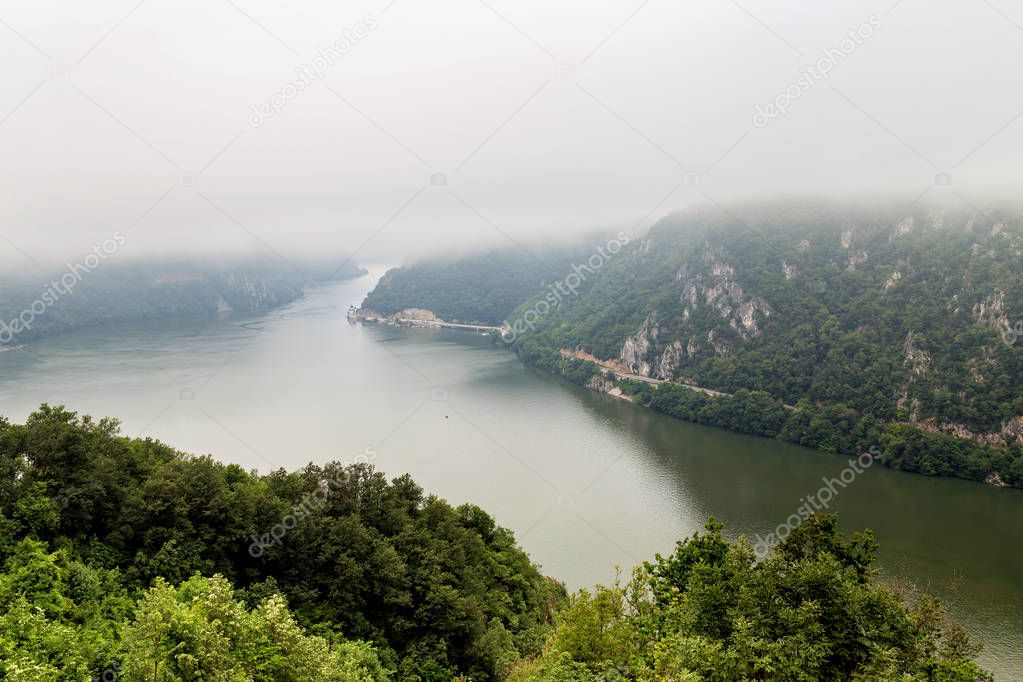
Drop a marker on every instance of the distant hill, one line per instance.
(479, 288)
(111, 292)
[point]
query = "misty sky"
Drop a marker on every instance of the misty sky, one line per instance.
(546, 117)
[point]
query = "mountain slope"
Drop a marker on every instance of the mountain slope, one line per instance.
(903, 322)
(479, 288)
(883, 326)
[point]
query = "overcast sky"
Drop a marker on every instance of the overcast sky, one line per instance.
(543, 117)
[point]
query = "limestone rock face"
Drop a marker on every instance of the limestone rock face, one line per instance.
(892, 280)
(600, 383)
(991, 311)
(634, 350)
(918, 360)
(710, 293)
(671, 360)
(905, 226)
(718, 289)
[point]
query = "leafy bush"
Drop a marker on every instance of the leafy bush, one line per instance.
(710, 611)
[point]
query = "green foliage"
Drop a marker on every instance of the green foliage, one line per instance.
(199, 631)
(61, 617)
(710, 611)
(427, 585)
(835, 428)
(481, 288)
(575, 370)
(938, 454)
(158, 566)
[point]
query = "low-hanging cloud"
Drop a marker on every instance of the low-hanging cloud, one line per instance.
(461, 124)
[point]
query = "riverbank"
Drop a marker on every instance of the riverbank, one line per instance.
(831, 428)
(415, 317)
(621, 372)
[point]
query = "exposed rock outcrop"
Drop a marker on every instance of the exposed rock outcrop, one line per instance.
(720, 347)
(599, 382)
(636, 347)
(1010, 432)
(719, 291)
(855, 259)
(892, 280)
(919, 361)
(991, 312)
(904, 227)
(671, 360)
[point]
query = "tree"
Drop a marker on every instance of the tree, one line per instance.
(711, 611)
(199, 631)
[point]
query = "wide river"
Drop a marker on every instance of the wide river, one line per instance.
(587, 482)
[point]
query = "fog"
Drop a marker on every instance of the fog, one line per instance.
(455, 124)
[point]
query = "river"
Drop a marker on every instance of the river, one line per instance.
(587, 482)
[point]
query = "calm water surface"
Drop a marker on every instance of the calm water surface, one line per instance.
(586, 482)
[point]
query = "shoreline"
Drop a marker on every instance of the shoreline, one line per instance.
(906, 444)
(606, 376)
(414, 318)
(621, 372)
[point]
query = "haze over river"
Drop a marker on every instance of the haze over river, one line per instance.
(584, 480)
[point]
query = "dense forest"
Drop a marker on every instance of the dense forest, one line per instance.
(833, 428)
(862, 317)
(710, 611)
(910, 320)
(479, 288)
(111, 292)
(126, 551)
(125, 559)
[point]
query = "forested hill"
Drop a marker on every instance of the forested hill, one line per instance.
(906, 321)
(95, 292)
(124, 559)
(868, 315)
(478, 288)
